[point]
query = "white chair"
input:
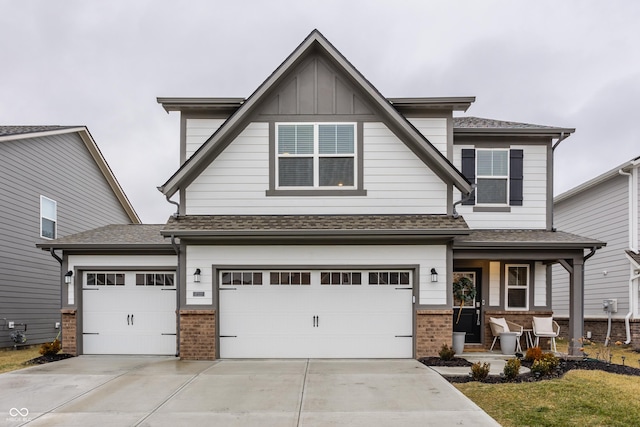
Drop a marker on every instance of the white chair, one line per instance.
(499, 325)
(546, 327)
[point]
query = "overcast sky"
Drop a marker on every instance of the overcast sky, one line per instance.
(103, 63)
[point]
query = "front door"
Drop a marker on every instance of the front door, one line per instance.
(469, 319)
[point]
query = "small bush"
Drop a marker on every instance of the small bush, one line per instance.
(552, 360)
(480, 371)
(511, 369)
(540, 367)
(446, 352)
(50, 348)
(533, 354)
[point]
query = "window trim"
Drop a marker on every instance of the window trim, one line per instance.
(506, 177)
(42, 216)
(356, 190)
(507, 287)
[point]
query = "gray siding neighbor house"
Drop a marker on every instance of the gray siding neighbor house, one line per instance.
(606, 208)
(319, 219)
(55, 182)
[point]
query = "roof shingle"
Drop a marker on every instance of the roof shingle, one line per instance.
(20, 130)
(542, 238)
(115, 235)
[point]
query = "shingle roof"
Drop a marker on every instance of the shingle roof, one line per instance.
(115, 235)
(477, 123)
(274, 224)
(511, 238)
(20, 130)
(634, 256)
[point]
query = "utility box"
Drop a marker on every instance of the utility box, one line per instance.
(610, 305)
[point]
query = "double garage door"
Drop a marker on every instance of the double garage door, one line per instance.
(129, 313)
(315, 314)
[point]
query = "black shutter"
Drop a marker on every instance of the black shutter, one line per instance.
(515, 177)
(469, 171)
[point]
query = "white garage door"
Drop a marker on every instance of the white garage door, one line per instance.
(129, 313)
(316, 314)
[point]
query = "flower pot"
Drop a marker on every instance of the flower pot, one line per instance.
(458, 342)
(508, 342)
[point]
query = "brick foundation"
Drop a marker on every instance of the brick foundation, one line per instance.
(197, 334)
(433, 328)
(522, 318)
(598, 328)
(69, 331)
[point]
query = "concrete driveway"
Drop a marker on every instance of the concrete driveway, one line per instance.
(161, 391)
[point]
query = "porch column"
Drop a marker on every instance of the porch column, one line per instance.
(576, 306)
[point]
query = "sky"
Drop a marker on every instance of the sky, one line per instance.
(102, 64)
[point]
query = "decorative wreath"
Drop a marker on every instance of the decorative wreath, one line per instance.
(464, 291)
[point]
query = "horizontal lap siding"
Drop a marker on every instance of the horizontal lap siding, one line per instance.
(427, 257)
(533, 212)
(61, 168)
(435, 130)
(396, 181)
(600, 213)
(198, 131)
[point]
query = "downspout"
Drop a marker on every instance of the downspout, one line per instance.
(53, 254)
(553, 150)
(630, 313)
(176, 248)
(464, 199)
(177, 212)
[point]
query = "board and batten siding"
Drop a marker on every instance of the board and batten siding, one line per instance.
(61, 168)
(307, 257)
(396, 181)
(533, 212)
(113, 263)
(602, 213)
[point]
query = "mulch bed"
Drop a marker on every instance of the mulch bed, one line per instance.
(46, 359)
(564, 367)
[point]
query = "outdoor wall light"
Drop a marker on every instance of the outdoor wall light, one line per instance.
(67, 277)
(196, 276)
(434, 275)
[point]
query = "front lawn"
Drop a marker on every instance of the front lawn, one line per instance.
(11, 360)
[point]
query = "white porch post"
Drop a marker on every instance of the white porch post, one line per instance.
(576, 306)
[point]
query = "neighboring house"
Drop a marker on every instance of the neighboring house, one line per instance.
(606, 208)
(55, 182)
(317, 218)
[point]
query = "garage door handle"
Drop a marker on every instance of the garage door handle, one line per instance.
(128, 317)
(132, 319)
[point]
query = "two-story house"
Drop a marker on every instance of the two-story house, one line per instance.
(605, 207)
(317, 218)
(55, 182)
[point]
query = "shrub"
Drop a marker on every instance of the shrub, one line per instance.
(50, 348)
(540, 367)
(511, 369)
(552, 360)
(533, 354)
(446, 352)
(480, 371)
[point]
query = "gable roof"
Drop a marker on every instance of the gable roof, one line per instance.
(613, 173)
(13, 133)
(397, 123)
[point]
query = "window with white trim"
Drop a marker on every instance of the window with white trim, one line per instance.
(492, 173)
(517, 286)
(316, 155)
(48, 218)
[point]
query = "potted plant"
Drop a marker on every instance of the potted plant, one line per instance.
(464, 291)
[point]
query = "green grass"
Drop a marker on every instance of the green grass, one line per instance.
(11, 360)
(580, 398)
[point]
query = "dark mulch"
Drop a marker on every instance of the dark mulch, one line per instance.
(564, 367)
(437, 361)
(47, 359)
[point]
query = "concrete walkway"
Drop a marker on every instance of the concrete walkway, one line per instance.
(161, 391)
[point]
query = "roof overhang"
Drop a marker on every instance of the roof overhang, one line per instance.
(548, 132)
(455, 103)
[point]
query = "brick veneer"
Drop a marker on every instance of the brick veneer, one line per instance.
(598, 328)
(433, 328)
(69, 331)
(197, 334)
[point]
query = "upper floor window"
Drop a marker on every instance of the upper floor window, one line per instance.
(316, 155)
(492, 176)
(48, 218)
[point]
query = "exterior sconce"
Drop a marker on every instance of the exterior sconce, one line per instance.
(68, 276)
(196, 276)
(434, 275)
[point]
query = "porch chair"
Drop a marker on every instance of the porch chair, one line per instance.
(546, 327)
(499, 325)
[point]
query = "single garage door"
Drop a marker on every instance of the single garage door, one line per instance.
(129, 313)
(316, 314)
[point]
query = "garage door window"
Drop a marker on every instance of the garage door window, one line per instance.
(389, 278)
(154, 279)
(241, 278)
(105, 279)
(290, 278)
(340, 278)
